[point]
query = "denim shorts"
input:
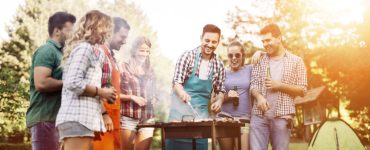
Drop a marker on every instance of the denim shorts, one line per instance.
(131, 124)
(73, 129)
(44, 136)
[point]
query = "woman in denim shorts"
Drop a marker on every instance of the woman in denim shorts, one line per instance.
(80, 114)
(137, 96)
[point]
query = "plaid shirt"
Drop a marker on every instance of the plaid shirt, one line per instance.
(107, 69)
(133, 85)
(294, 73)
(108, 63)
(185, 65)
(83, 67)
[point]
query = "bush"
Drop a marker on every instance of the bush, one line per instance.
(13, 146)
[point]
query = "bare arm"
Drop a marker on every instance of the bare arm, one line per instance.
(294, 90)
(261, 101)
(44, 82)
(105, 93)
(216, 106)
(179, 90)
(137, 99)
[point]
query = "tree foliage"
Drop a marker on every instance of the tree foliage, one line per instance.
(28, 30)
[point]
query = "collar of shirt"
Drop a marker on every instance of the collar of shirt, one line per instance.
(55, 44)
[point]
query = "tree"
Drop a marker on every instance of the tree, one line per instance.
(28, 30)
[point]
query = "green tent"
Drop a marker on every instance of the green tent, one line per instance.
(335, 134)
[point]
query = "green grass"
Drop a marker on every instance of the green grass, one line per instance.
(295, 146)
(292, 146)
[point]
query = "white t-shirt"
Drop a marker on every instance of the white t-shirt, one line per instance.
(203, 69)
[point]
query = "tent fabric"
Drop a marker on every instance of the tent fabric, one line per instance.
(335, 134)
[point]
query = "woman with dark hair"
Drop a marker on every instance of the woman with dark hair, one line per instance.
(237, 102)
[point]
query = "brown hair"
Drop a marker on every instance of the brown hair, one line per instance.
(211, 28)
(132, 66)
(271, 28)
(237, 43)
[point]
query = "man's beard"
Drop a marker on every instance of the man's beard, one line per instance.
(62, 44)
(211, 48)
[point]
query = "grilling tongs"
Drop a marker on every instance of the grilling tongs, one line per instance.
(195, 112)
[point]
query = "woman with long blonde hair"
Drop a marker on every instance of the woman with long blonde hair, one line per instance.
(80, 114)
(137, 96)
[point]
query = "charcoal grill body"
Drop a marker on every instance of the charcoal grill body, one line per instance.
(197, 130)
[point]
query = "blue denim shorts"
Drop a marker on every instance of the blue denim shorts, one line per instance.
(44, 136)
(131, 124)
(73, 129)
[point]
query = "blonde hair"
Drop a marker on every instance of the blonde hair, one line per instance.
(132, 66)
(94, 27)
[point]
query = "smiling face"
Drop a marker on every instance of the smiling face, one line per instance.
(142, 53)
(235, 57)
(209, 43)
(271, 43)
(118, 39)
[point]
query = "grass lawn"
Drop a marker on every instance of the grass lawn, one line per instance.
(296, 146)
(292, 146)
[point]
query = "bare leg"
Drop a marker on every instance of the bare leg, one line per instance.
(143, 140)
(127, 139)
(245, 141)
(77, 143)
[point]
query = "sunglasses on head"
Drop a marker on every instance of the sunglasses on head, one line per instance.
(237, 55)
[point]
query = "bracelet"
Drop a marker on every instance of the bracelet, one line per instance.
(104, 113)
(96, 91)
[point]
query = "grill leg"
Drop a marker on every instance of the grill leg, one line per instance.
(163, 137)
(213, 135)
(239, 141)
(194, 144)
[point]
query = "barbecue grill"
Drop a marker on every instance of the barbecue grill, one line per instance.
(196, 129)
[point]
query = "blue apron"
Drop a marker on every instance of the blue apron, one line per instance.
(200, 92)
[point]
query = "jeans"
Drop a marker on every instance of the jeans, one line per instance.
(264, 129)
(44, 136)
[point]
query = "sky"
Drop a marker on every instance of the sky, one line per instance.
(7, 10)
(178, 23)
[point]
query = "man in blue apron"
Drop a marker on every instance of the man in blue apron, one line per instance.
(198, 72)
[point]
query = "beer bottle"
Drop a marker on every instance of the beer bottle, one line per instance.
(268, 72)
(235, 99)
(109, 85)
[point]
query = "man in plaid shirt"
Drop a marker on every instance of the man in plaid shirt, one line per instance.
(276, 80)
(198, 72)
(111, 78)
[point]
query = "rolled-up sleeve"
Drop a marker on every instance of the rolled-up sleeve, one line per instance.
(301, 75)
(220, 81)
(182, 65)
(76, 72)
(254, 77)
